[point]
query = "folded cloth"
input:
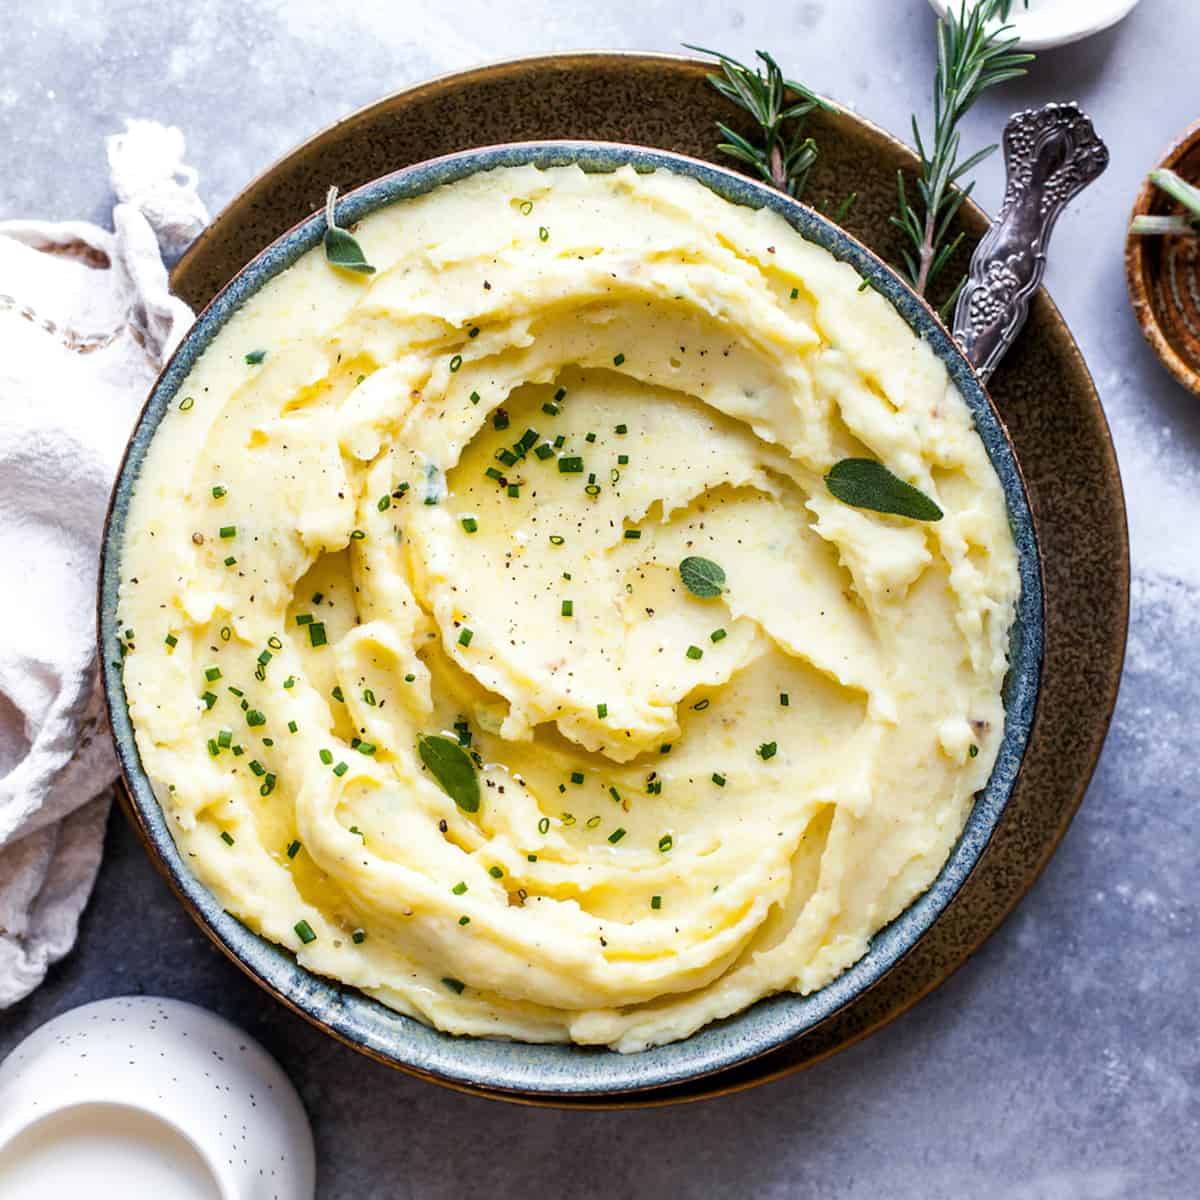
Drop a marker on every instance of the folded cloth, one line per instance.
(86, 321)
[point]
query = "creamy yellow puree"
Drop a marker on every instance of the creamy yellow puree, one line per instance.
(687, 804)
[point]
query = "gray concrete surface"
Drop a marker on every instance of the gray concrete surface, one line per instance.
(1063, 1062)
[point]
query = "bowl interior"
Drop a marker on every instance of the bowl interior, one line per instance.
(568, 1070)
(1164, 274)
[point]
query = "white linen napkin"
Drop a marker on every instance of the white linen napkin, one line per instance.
(86, 321)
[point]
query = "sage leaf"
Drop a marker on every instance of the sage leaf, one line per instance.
(865, 483)
(452, 767)
(342, 248)
(702, 577)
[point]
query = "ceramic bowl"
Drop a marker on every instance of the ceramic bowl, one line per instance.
(1163, 273)
(1044, 24)
(563, 1070)
(170, 1092)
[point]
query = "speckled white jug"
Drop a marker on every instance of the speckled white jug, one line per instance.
(1047, 23)
(161, 1064)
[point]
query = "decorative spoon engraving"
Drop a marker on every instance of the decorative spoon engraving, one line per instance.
(1050, 155)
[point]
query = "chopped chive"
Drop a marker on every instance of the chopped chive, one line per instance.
(767, 750)
(268, 785)
(612, 791)
(213, 748)
(531, 858)
(464, 920)
(290, 681)
(218, 491)
(568, 819)
(455, 363)
(526, 440)
(459, 888)
(171, 640)
(369, 697)
(717, 635)
(623, 460)
(783, 700)
(455, 985)
(514, 490)
(341, 769)
(507, 457)
(695, 652)
(464, 638)
(551, 410)
(264, 658)
(568, 608)
(257, 768)
(326, 757)
(357, 535)
(186, 403)
(212, 674)
(602, 711)
(591, 437)
(293, 849)
(544, 451)
(592, 489)
(592, 822)
(226, 838)
(304, 618)
(293, 727)
(496, 872)
(543, 234)
(474, 397)
(384, 503)
(254, 717)
(236, 692)
(526, 207)
(616, 835)
(570, 465)
(499, 419)
(632, 535)
(560, 441)
(665, 843)
(366, 748)
(226, 633)
(358, 937)
(719, 780)
(656, 902)
(795, 293)
(576, 777)
(209, 700)
(255, 357)
(621, 429)
(338, 694)
(618, 359)
(654, 787)
(304, 932)
(665, 748)
(492, 473)
(557, 539)
(225, 738)
(973, 751)
(473, 332)
(409, 678)
(316, 633)
(544, 825)
(228, 531)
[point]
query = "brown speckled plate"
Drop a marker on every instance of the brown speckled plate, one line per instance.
(1043, 391)
(1163, 273)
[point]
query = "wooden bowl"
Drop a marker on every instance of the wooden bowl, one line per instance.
(1163, 273)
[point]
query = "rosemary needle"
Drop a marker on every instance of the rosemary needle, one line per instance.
(971, 59)
(781, 155)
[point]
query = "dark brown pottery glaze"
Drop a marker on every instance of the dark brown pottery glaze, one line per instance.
(1163, 273)
(1043, 391)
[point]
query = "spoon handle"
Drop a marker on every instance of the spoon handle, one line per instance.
(1050, 155)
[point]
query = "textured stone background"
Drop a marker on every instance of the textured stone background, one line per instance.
(1063, 1062)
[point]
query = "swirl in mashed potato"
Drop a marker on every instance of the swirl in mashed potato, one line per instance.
(451, 499)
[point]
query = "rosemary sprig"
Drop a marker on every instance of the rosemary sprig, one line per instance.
(1186, 223)
(971, 59)
(783, 155)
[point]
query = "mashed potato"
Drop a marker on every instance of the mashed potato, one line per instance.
(413, 666)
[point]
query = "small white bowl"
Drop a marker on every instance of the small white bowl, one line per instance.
(1048, 23)
(145, 1097)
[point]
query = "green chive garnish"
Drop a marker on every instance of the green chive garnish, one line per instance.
(570, 465)
(171, 640)
(719, 780)
(326, 757)
(456, 362)
(616, 836)
(464, 638)
(226, 838)
(568, 608)
(665, 843)
(341, 769)
(293, 849)
(455, 985)
(618, 359)
(656, 902)
(358, 937)
(228, 531)
(255, 357)
(602, 711)
(218, 492)
(316, 633)
(304, 931)
(767, 750)
(695, 652)
(576, 777)
(496, 872)
(459, 888)
(718, 635)
(783, 700)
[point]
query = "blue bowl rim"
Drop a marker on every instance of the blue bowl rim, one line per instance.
(528, 1070)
